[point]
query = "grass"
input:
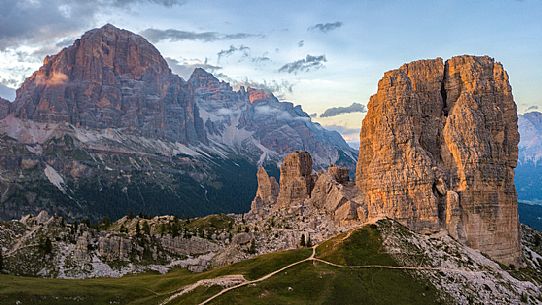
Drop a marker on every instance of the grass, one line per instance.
(217, 222)
(319, 283)
(363, 247)
(146, 288)
(307, 283)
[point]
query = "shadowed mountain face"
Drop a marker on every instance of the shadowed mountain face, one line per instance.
(104, 128)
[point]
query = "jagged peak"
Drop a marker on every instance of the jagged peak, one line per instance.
(201, 73)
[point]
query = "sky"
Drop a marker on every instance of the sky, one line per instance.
(319, 54)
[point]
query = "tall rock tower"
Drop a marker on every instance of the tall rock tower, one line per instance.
(438, 148)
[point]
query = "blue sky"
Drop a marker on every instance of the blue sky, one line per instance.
(319, 54)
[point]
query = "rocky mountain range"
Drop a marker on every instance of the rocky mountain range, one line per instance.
(104, 128)
(434, 184)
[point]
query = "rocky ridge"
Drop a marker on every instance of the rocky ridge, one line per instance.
(48, 246)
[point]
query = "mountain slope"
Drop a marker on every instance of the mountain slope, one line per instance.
(383, 263)
(104, 128)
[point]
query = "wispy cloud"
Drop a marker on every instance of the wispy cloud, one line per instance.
(304, 65)
(301, 43)
(325, 27)
(334, 111)
(534, 107)
(233, 49)
(279, 88)
(156, 35)
(350, 135)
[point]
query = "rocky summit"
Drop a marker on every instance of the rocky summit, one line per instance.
(104, 128)
(438, 149)
(111, 78)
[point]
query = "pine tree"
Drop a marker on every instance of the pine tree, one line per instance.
(302, 243)
(309, 242)
(138, 230)
(146, 228)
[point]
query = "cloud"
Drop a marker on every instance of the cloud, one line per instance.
(268, 110)
(350, 135)
(304, 65)
(36, 22)
(279, 88)
(260, 59)
(355, 107)
(313, 115)
(534, 107)
(155, 35)
(185, 67)
(301, 43)
(325, 27)
(233, 49)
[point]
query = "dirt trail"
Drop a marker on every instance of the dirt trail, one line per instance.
(310, 258)
(225, 281)
(263, 278)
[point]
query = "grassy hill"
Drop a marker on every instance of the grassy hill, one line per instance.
(310, 282)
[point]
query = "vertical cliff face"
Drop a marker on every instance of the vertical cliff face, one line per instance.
(111, 78)
(296, 181)
(266, 195)
(438, 148)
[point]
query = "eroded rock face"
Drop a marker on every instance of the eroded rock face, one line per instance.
(438, 148)
(319, 204)
(296, 181)
(112, 78)
(267, 193)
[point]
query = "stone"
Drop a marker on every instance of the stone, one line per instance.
(296, 181)
(114, 248)
(267, 193)
(339, 173)
(437, 128)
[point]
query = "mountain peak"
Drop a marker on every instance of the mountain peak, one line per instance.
(110, 78)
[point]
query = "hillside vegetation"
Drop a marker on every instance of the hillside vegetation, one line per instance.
(309, 282)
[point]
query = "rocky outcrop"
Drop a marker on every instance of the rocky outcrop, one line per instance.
(112, 78)
(296, 180)
(45, 245)
(438, 148)
(321, 203)
(267, 193)
(334, 194)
